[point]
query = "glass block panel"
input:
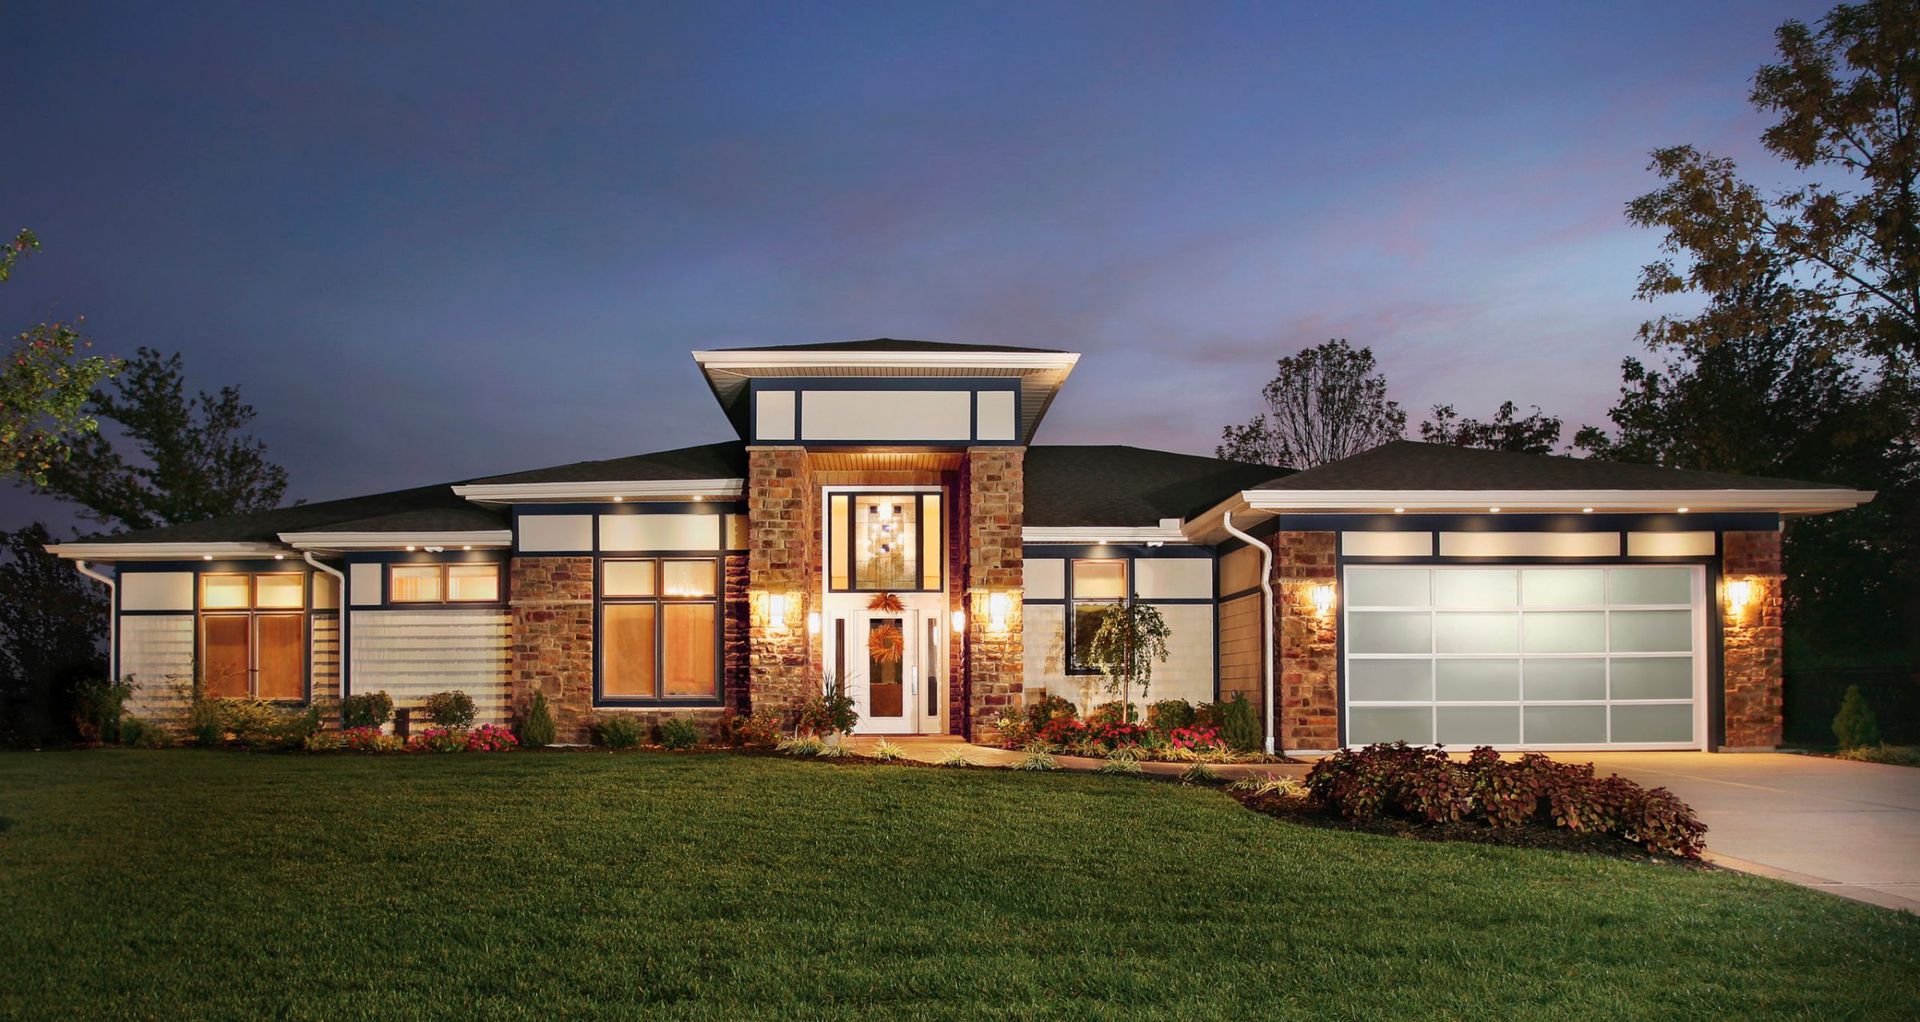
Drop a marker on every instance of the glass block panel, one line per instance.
(1563, 587)
(1476, 633)
(224, 592)
(473, 582)
(1388, 587)
(1565, 679)
(1564, 725)
(1389, 680)
(1100, 580)
(1369, 724)
(1570, 632)
(414, 583)
(280, 591)
(885, 541)
(1653, 585)
(1653, 678)
(626, 578)
(1478, 725)
(1672, 722)
(1490, 588)
(1652, 631)
(1477, 680)
(686, 578)
(1389, 632)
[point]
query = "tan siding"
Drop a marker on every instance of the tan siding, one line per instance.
(156, 658)
(1240, 647)
(326, 657)
(411, 654)
(1240, 570)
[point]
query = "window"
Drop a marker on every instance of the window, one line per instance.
(1095, 585)
(660, 629)
(253, 635)
(466, 582)
(885, 541)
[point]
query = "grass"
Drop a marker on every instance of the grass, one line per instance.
(645, 885)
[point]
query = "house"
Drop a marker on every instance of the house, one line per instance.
(1413, 591)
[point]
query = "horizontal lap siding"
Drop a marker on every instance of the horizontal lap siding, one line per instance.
(326, 657)
(1240, 647)
(1187, 674)
(411, 654)
(156, 658)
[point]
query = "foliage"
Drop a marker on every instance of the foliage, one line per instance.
(1892, 755)
(366, 709)
(1194, 739)
(831, 712)
(1239, 726)
(760, 731)
(1044, 709)
(1061, 731)
(1270, 785)
(369, 739)
(1013, 729)
(1426, 786)
(324, 741)
(204, 725)
(437, 739)
(255, 723)
(886, 751)
(617, 731)
(678, 733)
(1200, 773)
(44, 385)
(1536, 433)
(954, 757)
(450, 709)
(1119, 761)
(98, 705)
(1131, 639)
(804, 746)
(1116, 735)
(143, 734)
(491, 738)
(1113, 713)
(536, 728)
(1855, 724)
(1169, 715)
(1036, 757)
(51, 622)
(1324, 403)
(192, 458)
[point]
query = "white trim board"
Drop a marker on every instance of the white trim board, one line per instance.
(641, 489)
(393, 540)
(110, 552)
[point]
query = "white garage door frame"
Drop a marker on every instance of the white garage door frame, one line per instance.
(1488, 615)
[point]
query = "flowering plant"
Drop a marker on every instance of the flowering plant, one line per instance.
(366, 739)
(437, 739)
(1062, 731)
(490, 738)
(1195, 739)
(1114, 734)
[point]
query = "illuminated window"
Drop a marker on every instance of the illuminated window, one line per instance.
(463, 582)
(885, 541)
(1095, 585)
(659, 629)
(253, 635)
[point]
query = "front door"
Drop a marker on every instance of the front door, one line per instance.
(893, 662)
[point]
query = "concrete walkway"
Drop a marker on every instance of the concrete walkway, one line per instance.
(1851, 829)
(936, 748)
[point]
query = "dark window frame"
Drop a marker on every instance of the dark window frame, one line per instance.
(253, 612)
(660, 600)
(446, 583)
(840, 549)
(1074, 602)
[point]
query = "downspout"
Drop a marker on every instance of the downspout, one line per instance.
(113, 616)
(341, 619)
(1267, 622)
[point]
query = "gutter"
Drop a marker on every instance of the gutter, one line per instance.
(113, 616)
(340, 578)
(1267, 623)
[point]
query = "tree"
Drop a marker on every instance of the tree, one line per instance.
(1323, 404)
(1537, 433)
(1132, 637)
(44, 384)
(1845, 248)
(196, 459)
(51, 621)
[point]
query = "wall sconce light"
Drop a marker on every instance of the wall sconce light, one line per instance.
(776, 612)
(813, 623)
(1739, 594)
(959, 622)
(1322, 596)
(999, 609)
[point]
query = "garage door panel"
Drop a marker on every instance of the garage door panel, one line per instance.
(1652, 678)
(1670, 722)
(1477, 680)
(1390, 681)
(1390, 632)
(1651, 631)
(1388, 587)
(1568, 679)
(1476, 588)
(1651, 586)
(1478, 725)
(1564, 632)
(1565, 725)
(1563, 587)
(1476, 633)
(1369, 724)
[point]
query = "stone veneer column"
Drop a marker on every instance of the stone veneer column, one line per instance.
(783, 542)
(551, 602)
(1306, 643)
(1751, 664)
(993, 485)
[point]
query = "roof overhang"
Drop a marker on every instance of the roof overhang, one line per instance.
(321, 541)
(110, 552)
(1168, 531)
(1040, 373)
(641, 489)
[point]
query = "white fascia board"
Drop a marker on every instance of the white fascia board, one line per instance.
(1118, 534)
(490, 538)
(887, 359)
(643, 489)
(1783, 501)
(162, 551)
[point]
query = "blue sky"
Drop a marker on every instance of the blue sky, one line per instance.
(432, 245)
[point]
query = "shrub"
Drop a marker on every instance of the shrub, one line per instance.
(370, 709)
(1047, 708)
(617, 731)
(1206, 715)
(1194, 739)
(1119, 762)
(1120, 736)
(1114, 712)
(291, 730)
(1855, 724)
(130, 729)
(438, 739)
(1037, 758)
(369, 739)
(955, 757)
(203, 723)
(1013, 729)
(98, 706)
(886, 752)
(829, 713)
(490, 738)
(760, 731)
(450, 709)
(1061, 731)
(536, 729)
(323, 741)
(678, 733)
(1200, 773)
(1897, 755)
(1239, 725)
(803, 746)
(1167, 715)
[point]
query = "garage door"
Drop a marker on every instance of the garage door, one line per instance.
(1529, 656)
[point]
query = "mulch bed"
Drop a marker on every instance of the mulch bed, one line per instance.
(1298, 809)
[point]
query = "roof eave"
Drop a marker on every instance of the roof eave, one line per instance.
(763, 359)
(1168, 531)
(321, 541)
(83, 551)
(1805, 501)
(635, 489)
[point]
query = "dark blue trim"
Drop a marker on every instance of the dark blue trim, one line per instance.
(718, 602)
(719, 509)
(387, 558)
(1520, 522)
(799, 386)
(1112, 551)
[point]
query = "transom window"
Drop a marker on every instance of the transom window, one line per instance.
(659, 630)
(253, 635)
(1093, 585)
(885, 541)
(443, 583)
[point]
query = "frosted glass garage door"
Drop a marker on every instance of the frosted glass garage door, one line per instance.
(1539, 657)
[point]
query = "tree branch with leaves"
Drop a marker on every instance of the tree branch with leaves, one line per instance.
(45, 382)
(1324, 403)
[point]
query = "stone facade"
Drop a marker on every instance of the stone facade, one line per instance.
(1306, 642)
(550, 600)
(993, 489)
(783, 541)
(1751, 662)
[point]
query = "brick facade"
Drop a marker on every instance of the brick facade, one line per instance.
(1306, 642)
(1751, 661)
(993, 488)
(783, 542)
(550, 600)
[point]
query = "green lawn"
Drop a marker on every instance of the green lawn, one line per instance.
(204, 884)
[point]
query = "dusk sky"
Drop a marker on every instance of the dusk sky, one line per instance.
(431, 246)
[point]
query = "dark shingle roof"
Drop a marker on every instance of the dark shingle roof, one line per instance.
(895, 344)
(1411, 465)
(708, 461)
(399, 510)
(1069, 486)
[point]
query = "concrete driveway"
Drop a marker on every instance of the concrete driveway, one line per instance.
(1851, 829)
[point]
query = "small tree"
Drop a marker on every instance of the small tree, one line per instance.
(1324, 403)
(1132, 637)
(45, 380)
(1855, 724)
